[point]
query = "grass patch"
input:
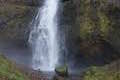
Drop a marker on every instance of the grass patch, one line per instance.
(8, 71)
(98, 73)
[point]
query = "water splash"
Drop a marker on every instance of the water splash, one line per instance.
(43, 37)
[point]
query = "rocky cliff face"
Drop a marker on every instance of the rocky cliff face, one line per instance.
(15, 18)
(92, 28)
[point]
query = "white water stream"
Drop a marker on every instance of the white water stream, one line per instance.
(43, 37)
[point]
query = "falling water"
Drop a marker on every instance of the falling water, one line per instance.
(43, 37)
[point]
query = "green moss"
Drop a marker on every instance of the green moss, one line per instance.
(94, 21)
(86, 29)
(9, 71)
(98, 73)
(86, 23)
(62, 71)
(104, 24)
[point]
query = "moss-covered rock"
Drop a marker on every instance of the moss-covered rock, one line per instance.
(62, 71)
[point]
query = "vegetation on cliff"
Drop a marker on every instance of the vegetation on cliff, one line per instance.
(14, 20)
(94, 20)
(95, 29)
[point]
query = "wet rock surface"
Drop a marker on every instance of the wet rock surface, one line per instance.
(86, 39)
(62, 71)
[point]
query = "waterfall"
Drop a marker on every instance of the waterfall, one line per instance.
(43, 37)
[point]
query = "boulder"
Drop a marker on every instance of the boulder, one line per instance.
(62, 71)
